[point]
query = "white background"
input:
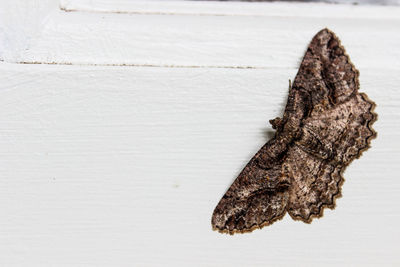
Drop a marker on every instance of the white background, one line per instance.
(120, 139)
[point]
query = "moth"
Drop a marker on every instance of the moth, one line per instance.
(325, 126)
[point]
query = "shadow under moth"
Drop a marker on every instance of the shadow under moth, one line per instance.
(326, 125)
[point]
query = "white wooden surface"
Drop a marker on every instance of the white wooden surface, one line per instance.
(106, 164)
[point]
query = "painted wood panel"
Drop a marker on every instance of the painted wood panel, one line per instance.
(123, 165)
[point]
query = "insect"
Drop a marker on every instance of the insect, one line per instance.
(326, 124)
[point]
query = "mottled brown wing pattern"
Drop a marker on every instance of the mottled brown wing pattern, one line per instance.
(326, 124)
(256, 198)
(336, 130)
(327, 147)
(314, 184)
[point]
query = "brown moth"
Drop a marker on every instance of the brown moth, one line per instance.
(326, 125)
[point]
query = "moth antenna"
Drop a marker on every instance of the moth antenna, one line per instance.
(290, 84)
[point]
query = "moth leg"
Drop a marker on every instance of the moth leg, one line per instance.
(276, 123)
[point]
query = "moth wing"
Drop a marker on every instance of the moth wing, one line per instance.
(335, 131)
(326, 124)
(258, 197)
